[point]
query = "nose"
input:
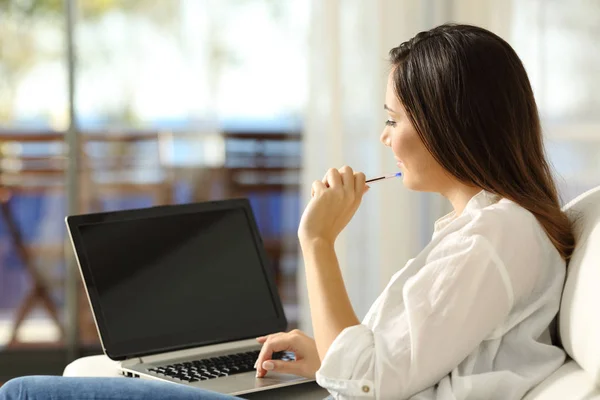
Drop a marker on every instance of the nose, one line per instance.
(385, 138)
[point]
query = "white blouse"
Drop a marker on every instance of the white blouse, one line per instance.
(466, 319)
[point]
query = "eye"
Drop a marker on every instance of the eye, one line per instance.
(391, 123)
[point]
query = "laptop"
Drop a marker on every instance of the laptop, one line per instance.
(179, 293)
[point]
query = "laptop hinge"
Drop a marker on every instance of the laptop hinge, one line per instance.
(131, 361)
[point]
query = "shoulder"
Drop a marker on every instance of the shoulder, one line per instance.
(512, 238)
(504, 223)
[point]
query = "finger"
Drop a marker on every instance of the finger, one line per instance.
(317, 188)
(273, 344)
(360, 184)
(264, 354)
(262, 340)
(334, 178)
(284, 367)
(324, 180)
(347, 175)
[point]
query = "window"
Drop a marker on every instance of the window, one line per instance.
(181, 64)
(558, 43)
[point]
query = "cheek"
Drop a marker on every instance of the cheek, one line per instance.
(405, 145)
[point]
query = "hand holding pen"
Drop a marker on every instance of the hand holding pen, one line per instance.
(334, 202)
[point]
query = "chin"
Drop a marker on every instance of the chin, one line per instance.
(410, 184)
(412, 187)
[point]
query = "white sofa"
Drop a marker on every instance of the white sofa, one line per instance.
(579, 320)
(579, 315)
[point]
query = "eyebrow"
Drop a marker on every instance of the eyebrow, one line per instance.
(385, 107)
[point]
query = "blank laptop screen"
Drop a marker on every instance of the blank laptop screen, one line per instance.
(171, 281)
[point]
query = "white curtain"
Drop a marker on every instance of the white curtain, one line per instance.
(349, 41)
(348, 68)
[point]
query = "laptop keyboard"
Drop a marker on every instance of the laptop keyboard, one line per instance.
(215, 367)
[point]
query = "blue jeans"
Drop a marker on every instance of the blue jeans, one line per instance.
(58, 388)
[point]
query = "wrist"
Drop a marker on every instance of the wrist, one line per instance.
(316, 242)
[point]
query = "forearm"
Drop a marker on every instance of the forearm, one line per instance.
(331, 310)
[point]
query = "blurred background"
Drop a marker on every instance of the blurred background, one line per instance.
(117, 104)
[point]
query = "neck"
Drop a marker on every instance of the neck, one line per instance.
(459, 195)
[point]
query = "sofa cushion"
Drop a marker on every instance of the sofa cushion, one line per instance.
(579, 315)
(569, 382)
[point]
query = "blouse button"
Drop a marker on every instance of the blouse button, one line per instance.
(366, 389)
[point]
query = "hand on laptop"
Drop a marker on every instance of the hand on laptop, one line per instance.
(307, 359)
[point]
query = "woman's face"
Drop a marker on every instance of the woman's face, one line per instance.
(419, 169)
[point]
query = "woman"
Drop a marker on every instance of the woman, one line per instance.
(468, 317)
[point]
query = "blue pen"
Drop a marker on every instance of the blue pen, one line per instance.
(389, 176)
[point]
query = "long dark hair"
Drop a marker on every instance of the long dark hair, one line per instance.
(468, 96)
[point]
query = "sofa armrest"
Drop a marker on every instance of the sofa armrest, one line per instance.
(92, 366)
